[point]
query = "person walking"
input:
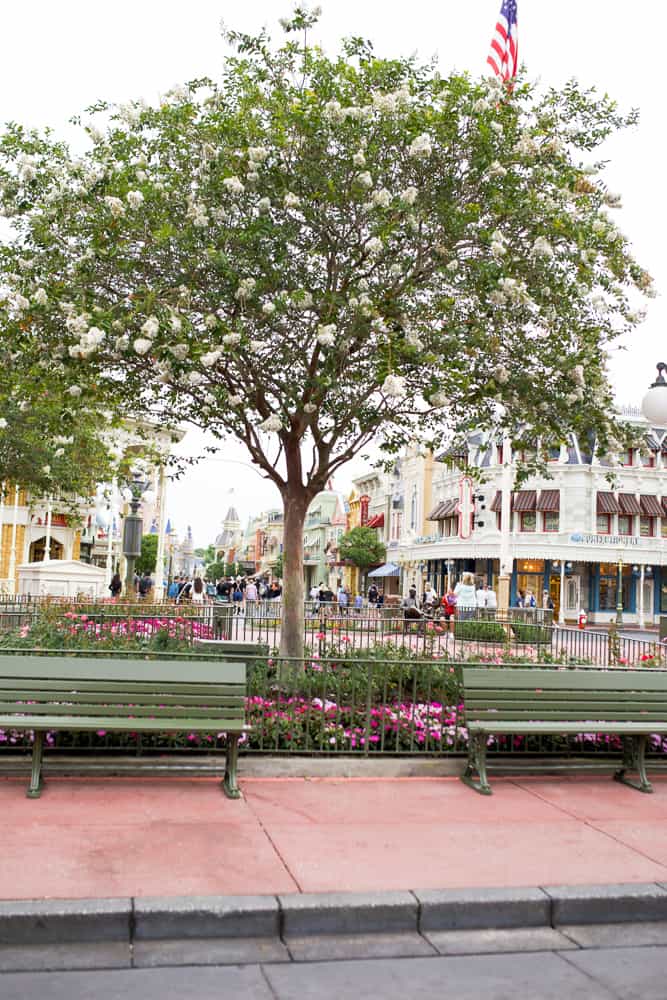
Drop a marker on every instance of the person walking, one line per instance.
(116, 585)
(481, 595)
(145, 586)
(466, 596)
(342, 600)
(197, 590)
(251, 596)
(430, 598)
(449, 602)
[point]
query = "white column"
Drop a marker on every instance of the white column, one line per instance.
(2, 515)
(159, 564)
(47, 551)
(506, 560)
(561, 611)
(12, 552)
(109, 563)
(641, 596)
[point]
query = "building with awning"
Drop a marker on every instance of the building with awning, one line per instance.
(388, 569)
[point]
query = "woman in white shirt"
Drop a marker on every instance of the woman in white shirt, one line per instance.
(466, 596)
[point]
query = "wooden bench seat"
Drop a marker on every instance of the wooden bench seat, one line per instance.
(42, 693)
(631, 704)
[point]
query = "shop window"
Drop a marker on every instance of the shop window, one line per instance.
(551, 520)
(629, 457)
(663, 530)
(648, 461)
(647, 527)
(625, 524)
(528, 520)
(604, 524)
(499, 520)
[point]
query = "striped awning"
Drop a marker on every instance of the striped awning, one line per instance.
(664, 506)
(549, 500)
(650, 506)
(436, 513)
(524, 500)
(446, 508)
(376, 522)
(629, 503)
(497, 502)
(607, 504)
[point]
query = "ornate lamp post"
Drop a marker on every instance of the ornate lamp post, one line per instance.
(619, 595)
(654, 403)
(136, 491)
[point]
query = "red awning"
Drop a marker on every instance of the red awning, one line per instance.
(664, 506)
(449, 507)
(376, 522)
(497, 502)
(524, 500)
(607, 504)
(549, 500)
(650, 506)
(435, 513)
(629, 503)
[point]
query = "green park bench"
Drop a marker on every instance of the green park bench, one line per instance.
(631, 704)
(42, 693)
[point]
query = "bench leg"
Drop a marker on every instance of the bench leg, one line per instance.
(36, 783)
(477, 763)
(634, 749)
(229, 785)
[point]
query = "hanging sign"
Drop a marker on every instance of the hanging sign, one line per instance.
(465, 507)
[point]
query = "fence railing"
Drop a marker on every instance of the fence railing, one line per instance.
(398, 705)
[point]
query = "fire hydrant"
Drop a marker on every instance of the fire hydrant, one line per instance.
(583, 618)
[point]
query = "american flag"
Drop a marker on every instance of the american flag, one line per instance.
(504, 55)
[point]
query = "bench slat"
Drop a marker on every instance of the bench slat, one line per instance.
(474, 705)
(562, 727)
(644, 679)
(492, 717)
(128, 711)
(210, 697)
(100, 669)
(163, 725)
(18, 687)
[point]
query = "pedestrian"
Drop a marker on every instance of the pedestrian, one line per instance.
(372, 595)
(529, 600)
(521, 599)
(197, 590)
(491, 599)
(358, 604)
(449, 602)
(145, 585)
(342, 600)
(237, 597)
(251, 595)
(466, 596)
(547, 601)
(380, 600)
(481, 595)
(222, 589)
(410, 606)
(275, 591)
(430, 597)
(173, 588)
(116, 585)
(185, 590)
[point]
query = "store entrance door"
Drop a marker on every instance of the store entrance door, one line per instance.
(572, 596)
(648, 601)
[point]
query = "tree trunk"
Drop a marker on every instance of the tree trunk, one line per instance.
(295, 500)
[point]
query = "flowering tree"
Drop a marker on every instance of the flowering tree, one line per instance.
(317, 251)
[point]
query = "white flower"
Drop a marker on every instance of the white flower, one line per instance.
(374, 246)
(364, 179)
(396, 270)
(21, 303)
(497, 127)
(501, 375)
(496, 169)
(412, 340)
(310, 408)
(41, 298)
(333, 111)
(46, 469)
(134, 199)
(326, 335)
(74, 390)
(209, 359)
(246, 288)
(421, 146)
(142, 345)
(302, 300)
(268, 308)
(3, 423)
(233, 185)
(599, 227)
(264, 205)
(151, 327)
(272, 424)
(115, 206)
(394, 386)
(578, 375)
(612, 200)
(439, 398)
(409, 195)
(291, 200)
(231, 339)
(175, 322)
(179, 351)
(526, 146)
(210, 321)
(257, 154)
(453, 266)
(60, 439)
(59, 452)
(481, 105)
(542, 247)
(252, 177)
(196, 378)
(359, 159)
(381, 198)
(26, 169)
(255, 346)
(234, 400)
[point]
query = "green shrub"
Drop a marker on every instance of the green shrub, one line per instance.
(533, 634)
(480, 631)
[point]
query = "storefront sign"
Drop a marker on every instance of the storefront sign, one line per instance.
(617, 541)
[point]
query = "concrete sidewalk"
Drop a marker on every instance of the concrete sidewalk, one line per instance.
(98, 837)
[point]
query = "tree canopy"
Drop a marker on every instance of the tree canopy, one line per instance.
(317, 251)
(362, 547)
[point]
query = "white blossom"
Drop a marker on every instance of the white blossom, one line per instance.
(26, 169)
(501, 374)
(142, 345)
(257, 154)
(326, 335)
(175, 322)
(496, 169)
(246, 288)
(364, 179)
(310, 408)
(421, 146)
(359, 159)
(498, 244)
(599, 227)
(196, 378)
(381, 198)
(264, 205)
(179, 351)
(231, 339)
(59, 452)
(271, 424)
(396, 270)
(40, 297)
(291, 200)
(613, 200)
(453, 266)
(255, 346)
(268, 308)
(302, 300)
(234, 400)
(74, 390)
(578, 375)
(233, 185)
(252, 177)
(333, 111)
(409, 195)
(394, 386)
(46, 469)
(412, 340)
(3, 423)
(134, 199)
(210, 358)
(114, 205)
(151, 327)
(439, 398)
(542, 248)
(526, 146)
(374, 246)
(210, 321)
(21, 303)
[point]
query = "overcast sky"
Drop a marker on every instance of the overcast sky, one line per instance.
(57, 58)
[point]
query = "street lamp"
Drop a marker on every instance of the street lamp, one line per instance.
(654, 403)
(136, 491)
(619, 595)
